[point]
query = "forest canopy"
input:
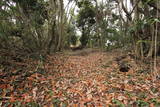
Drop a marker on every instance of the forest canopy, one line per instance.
(51, 25)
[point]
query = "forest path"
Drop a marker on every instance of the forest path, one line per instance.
(92, 78)
(83, 77)
(88, 78)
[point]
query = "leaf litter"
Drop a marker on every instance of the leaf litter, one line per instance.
(66, 80)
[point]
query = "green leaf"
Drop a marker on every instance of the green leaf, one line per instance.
(118, 103)
(141, 103)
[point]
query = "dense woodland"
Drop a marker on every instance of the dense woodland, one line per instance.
(79, 53)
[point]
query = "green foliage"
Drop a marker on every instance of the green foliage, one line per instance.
(74, 39)
(26, 22)
(21, 23)
(152, 20)
(141, 103)
(86, 14)
(56, 102)
(155, 101)
(35, 10)
(118, 103)
(117, 38)
(84, 39)
(32, 104)
(114, 18)
(140, 24)
(114, 31)
(85, 20)
(71, 35)
(148, 1)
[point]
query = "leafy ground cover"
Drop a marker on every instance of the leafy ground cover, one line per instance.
(83, 79)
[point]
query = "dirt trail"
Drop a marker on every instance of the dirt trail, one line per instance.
(83, 78)
(92, 79)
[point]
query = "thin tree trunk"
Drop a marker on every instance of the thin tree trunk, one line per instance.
(156, 74)
(61, 26)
